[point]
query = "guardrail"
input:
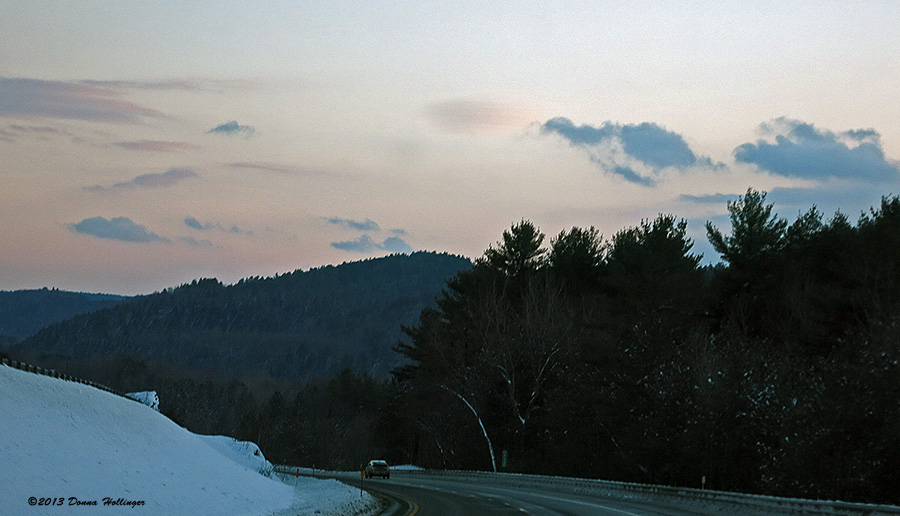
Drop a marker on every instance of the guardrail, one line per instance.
(53, 373)
(707, 501)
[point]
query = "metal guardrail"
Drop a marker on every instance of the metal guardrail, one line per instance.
(720, 502)
(727, 502)
(53, 373)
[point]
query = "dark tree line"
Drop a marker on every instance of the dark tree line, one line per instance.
(775, 372)
(295, 326)
(24, 312)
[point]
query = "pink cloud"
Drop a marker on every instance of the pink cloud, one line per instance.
(472, 116)
(155, 146)
(32, 98)
(165, 179)
(274, 167)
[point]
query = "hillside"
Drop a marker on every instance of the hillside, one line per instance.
(295, 326)
(24, 312)
(78, 446)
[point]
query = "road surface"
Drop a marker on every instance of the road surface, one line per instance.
(421, 495)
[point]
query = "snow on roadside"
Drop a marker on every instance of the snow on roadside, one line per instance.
(148, 398)
(70, 444)
(245, 453)
(327, 498)
(406, 467)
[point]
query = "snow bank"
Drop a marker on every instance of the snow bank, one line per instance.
(148, 398)
(245, 453)
(327, 498)
(70, 444)
(406, 467)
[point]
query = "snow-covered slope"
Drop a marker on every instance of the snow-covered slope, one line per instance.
(244, 453)
(66, 443)
(149, 398)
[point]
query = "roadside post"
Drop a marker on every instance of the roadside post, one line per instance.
(362, 481)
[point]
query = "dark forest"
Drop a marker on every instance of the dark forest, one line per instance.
(622, 358)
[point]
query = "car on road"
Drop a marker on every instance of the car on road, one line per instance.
(378, 468)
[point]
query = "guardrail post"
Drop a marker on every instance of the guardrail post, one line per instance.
(56, 374)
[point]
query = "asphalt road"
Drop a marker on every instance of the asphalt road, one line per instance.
(423, 496)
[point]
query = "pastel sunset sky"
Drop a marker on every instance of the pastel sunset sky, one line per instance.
(144, 144)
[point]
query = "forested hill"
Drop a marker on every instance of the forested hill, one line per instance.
(24, 312)
(295, 326)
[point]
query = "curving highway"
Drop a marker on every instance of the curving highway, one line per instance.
(416, 495)
(463, 493)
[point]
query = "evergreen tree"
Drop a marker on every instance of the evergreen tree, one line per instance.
(660, 246)
(576, 256)
(650, 268)
(519, 254)
(756, 233)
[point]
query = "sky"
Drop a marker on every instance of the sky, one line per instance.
(147, 144)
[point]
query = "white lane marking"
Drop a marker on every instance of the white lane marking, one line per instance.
(567, 500)
(589, 504)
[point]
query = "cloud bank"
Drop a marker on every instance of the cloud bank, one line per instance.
(233, 129)
(366, 225)
(803, 151)
(271, 167)
(32, 98)
(717, 198)
(155, 146)
(365, 244)
(40, 131)
(193, 223)
(117, 228)
(166, 179)
(193, 242)
(635, 152)
(844, 171)
(396, 245)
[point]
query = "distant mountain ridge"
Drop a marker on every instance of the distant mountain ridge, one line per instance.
(24, 312)
(295, 326)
